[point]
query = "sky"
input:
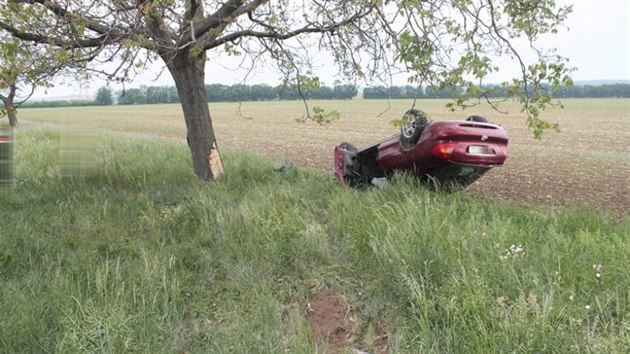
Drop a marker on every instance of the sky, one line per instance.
(596, 41)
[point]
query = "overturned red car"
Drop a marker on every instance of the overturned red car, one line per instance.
(446, 154)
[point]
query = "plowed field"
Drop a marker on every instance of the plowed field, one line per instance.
(587, 163)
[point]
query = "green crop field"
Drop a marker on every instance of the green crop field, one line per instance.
(139, 255)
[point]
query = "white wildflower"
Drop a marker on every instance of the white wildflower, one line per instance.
(513, 251)
(599, 270)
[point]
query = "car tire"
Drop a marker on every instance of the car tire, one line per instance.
(475, 118)
(349, 147)
(412, 130)
(352, 167)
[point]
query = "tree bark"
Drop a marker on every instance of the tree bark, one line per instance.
(11, 111)
(188, 73)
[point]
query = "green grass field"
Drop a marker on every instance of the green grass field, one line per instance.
(141, 256)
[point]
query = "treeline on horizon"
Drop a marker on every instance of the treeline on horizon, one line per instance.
(242, 93)
(494, 91)
(215, 93)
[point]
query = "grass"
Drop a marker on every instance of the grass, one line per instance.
(141, 256)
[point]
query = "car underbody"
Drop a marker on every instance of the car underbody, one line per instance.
(446, 154)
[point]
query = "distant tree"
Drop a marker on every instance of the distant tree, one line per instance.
(60, 103)
(157, 94)
(263, 93)
(238, 93)
(322, 93)
(495, 91)
(287, 92)
(104, 97)
(345, 92)
(173, 95)
(131, 97)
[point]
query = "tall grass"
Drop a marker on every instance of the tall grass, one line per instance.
(141, 256)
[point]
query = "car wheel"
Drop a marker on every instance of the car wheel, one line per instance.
(348, 147)
(351, 165)
(412, 130)
(480, 119)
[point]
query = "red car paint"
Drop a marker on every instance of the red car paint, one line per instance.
(447, 152)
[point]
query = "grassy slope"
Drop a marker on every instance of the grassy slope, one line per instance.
(142, 256)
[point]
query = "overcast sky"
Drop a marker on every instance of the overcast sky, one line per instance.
(597, 42)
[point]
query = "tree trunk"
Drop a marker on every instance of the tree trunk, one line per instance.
(188, 72)
(12, 113)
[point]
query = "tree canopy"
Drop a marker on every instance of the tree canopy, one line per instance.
(23, 67)
(104, 96)
(441, 43)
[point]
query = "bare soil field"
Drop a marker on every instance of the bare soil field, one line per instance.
(586, 164)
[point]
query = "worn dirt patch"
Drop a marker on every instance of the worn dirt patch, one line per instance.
(327, 312)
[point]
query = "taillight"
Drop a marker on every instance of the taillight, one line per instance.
(444, 150)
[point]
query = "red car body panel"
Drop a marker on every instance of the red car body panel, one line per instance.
(456, 152)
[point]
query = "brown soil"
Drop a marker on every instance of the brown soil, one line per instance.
(587, 164)
(327, 316)
(331, 322)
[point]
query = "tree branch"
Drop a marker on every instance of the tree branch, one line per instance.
(59, 11)
(222, 15)
(75, 43)
(155, 23)
(309, 28)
